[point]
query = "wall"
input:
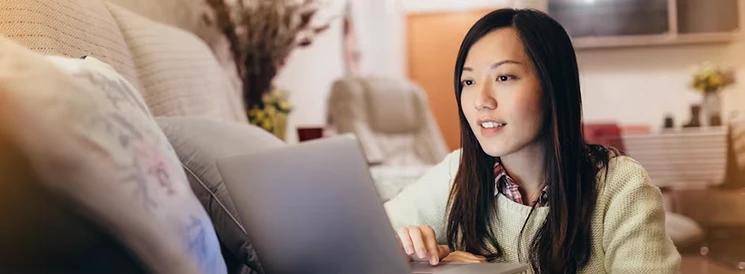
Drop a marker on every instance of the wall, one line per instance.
(642, 85)
(425, 6)
(381, 35)
(309, 72)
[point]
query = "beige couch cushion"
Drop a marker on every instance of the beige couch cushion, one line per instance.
(72, 28)
(178, 71)
(195, 16)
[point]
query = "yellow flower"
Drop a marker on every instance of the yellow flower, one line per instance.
(271, 110)
(253, 112)
(266, 124)
(260, 115)
(709, 78)
(715, 80)
(284, 106)
(256, 121)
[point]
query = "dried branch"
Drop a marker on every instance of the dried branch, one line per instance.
(262, 34)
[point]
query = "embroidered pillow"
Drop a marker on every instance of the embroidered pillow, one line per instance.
(92, 140)
(199, 142)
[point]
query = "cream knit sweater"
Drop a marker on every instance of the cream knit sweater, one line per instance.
(628, 226)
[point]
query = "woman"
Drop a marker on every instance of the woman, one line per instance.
(525, 187)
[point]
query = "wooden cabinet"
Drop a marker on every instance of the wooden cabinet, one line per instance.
(433, 40)
(707, 16)
(618, 23)
(582, 18)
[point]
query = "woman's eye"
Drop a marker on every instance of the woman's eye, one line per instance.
(504, 78)
(467, 82)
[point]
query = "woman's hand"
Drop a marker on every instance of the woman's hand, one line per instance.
(420, 244)
(463, 257)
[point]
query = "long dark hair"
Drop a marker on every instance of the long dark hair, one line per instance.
(562, 243)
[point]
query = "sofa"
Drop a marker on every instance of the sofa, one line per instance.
(179, 63)
(171, 66)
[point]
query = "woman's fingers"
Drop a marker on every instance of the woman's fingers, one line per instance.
(420, 243)
(460, 259)
(472, 256)
(403, 236)
(464, 257)
(416, 239)
(430, 243)
(444, 251)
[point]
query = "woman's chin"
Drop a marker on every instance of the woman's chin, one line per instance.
(494, 151)
(494, 154)
(495, 146)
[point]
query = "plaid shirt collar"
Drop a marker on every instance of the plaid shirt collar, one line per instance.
(504, 184)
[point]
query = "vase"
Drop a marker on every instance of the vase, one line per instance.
(269, 119)
(712, 108)
(280, 125)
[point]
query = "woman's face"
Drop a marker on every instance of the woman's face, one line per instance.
(501, 95)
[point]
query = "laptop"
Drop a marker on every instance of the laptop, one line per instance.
(313, 208)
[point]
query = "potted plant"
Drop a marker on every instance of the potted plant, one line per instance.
(262, 34)
(710, 80)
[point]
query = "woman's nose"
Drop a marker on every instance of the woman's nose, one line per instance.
(485, 98)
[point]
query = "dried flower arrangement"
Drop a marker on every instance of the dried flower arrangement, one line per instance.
(262, 34)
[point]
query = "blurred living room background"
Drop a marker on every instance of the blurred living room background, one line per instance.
(662, 80)
(634, 74)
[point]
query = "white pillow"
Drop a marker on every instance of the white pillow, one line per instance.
(91, 140)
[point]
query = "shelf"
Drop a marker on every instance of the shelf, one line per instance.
(623, 23)
(654, 40)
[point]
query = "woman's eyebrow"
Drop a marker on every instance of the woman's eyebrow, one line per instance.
(495, 65)
(500, 63)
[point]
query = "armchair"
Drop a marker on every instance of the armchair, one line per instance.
(390, 117)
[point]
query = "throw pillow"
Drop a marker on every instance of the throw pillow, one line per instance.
(199, 142)
(41, 233)
(90, 139)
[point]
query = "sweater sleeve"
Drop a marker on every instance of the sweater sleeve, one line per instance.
(634, 237)
(425, 201)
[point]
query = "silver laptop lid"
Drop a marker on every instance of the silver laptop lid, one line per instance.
(313, 208)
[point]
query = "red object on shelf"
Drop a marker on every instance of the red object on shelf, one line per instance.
(604, 134)
(309, 133)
